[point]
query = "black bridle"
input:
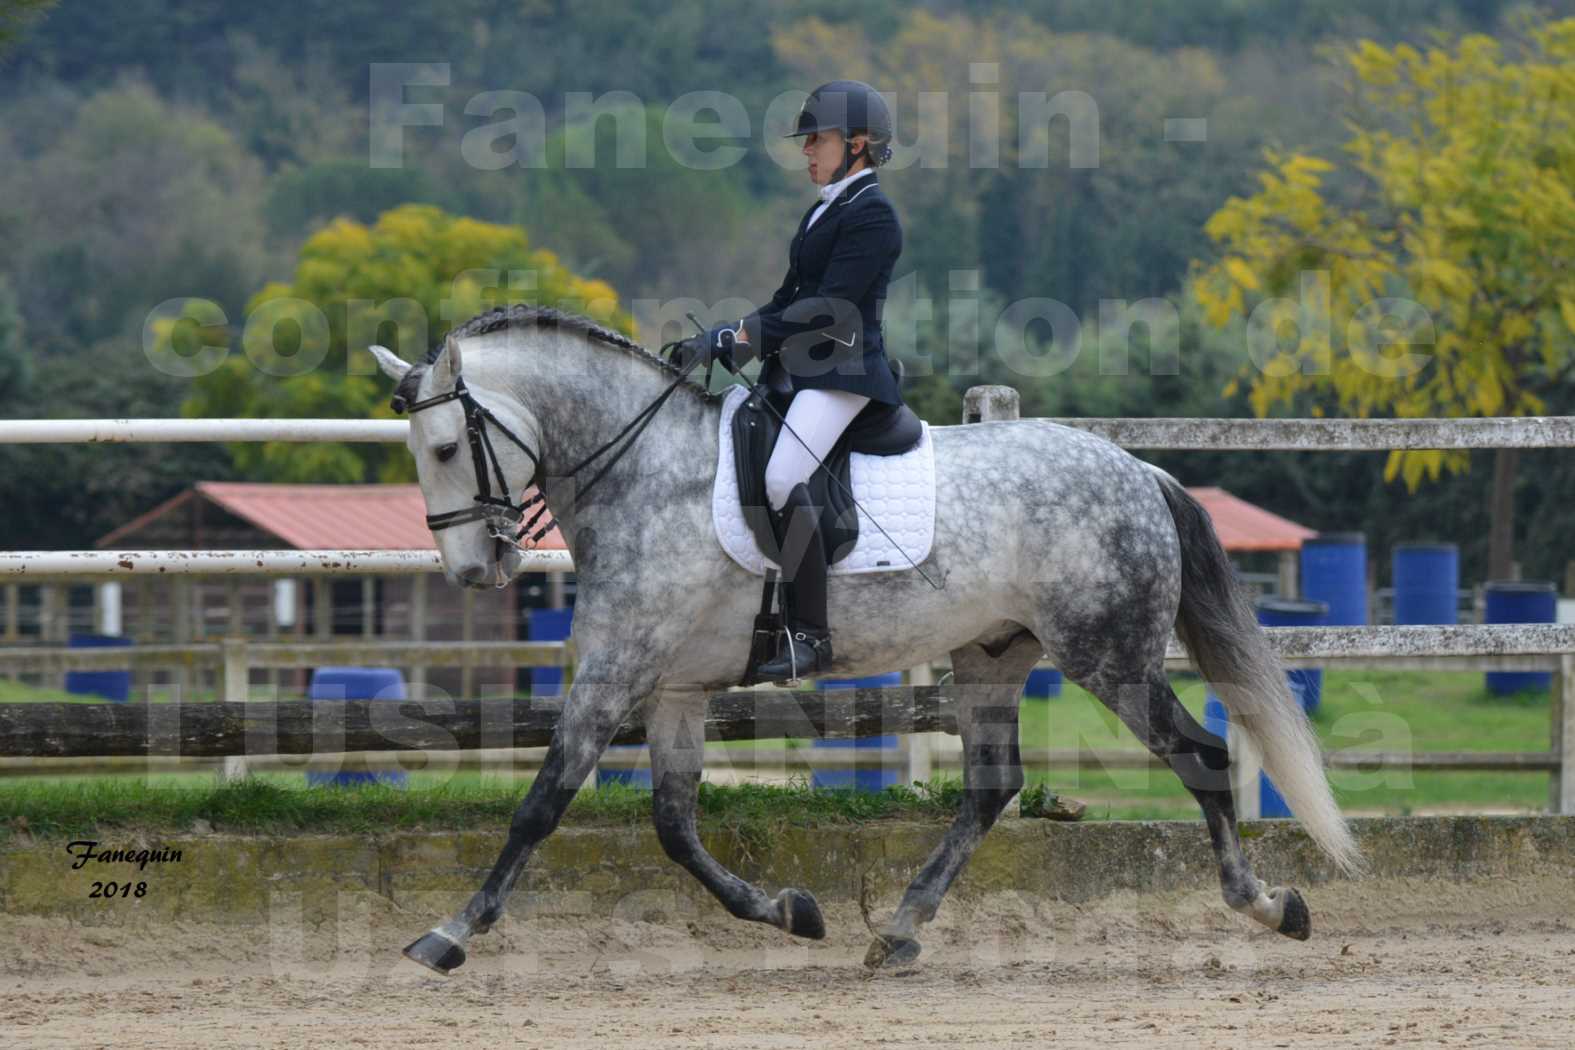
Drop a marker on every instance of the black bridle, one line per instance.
(502, 514)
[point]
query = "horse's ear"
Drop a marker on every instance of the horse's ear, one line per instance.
(447, 365)
(392, 365)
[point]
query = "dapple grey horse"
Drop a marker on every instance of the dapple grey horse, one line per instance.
(1048, 540)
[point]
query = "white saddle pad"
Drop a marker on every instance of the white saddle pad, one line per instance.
(899, 491)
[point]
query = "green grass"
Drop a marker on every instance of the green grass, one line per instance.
(1365, 710)
(258, 806)
(1361, 711)
(17, 692)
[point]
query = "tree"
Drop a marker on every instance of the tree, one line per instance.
(123, 202)
(404, 282)
(300, 200)
(661, 226)
(16, 16)
(1439, 285)
(16, 370)
(65, 496)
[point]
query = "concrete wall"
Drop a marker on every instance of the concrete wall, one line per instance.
(593, 870)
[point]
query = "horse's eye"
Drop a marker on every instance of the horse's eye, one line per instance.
(446, 452)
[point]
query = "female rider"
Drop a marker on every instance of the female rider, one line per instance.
(820, 337)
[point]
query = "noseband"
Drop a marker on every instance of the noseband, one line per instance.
(502, 515)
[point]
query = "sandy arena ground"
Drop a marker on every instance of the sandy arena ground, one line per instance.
(1390, 964)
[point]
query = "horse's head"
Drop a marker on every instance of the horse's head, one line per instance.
(471, 468)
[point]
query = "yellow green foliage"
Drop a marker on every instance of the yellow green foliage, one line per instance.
(404, 282)
(1458, 198)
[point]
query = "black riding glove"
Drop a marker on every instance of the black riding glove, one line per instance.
(717, 345)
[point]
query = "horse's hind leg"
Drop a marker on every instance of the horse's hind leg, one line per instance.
(1157, 718)
(675, 731)
(989, 688)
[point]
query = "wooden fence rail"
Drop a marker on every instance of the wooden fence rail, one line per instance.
(239, 727)
(304, 727)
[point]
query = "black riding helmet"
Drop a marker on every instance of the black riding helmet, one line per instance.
(847, 106)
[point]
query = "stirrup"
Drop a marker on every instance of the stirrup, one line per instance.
(817, 660)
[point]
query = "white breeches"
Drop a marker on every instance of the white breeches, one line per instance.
(818, 418)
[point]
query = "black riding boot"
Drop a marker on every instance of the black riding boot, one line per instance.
(806, 647)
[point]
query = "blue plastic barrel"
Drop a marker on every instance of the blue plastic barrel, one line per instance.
(1426, 582)
(857, 779)
(111, 685)
(1519, 601)
(1334, 570)
(548, 625)
(1043, 683)
(357, 683)
(1305, 682)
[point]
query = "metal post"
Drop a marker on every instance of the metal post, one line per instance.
(984, 404)
(141, 629)
(418, 632)
(198, 625)
(236, 689)
(13, 603)
(272, 631)
(49, 624)
(1288, 568)
(181, 679)
(46, 612)
(1561, 784)
(467, 673)
(368, 606)
(323, 607)
(145, 630)
(303, 595)
(236, 610)
(916, 749)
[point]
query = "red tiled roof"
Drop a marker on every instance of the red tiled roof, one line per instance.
(393, 517)
(328, 517)
(1243, 526)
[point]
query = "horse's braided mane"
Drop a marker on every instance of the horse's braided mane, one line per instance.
(546, 317)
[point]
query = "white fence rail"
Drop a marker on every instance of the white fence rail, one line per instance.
(1506, 647)
(1333, 435)
(1169, 433)
(140, 431)
(245, 563)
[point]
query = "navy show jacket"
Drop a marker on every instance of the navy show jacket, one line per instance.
(821, 330)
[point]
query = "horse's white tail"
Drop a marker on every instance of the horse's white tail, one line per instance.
(1217, 625)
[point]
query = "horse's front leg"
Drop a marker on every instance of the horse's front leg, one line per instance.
(597, 705)
(675, 731)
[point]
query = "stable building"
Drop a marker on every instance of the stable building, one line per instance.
(213, 515)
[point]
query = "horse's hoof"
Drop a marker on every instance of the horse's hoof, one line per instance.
(437, 951)
(891, 951)
(801, 915)
(1297, 920)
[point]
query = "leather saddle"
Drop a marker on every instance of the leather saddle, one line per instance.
(878, 430)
